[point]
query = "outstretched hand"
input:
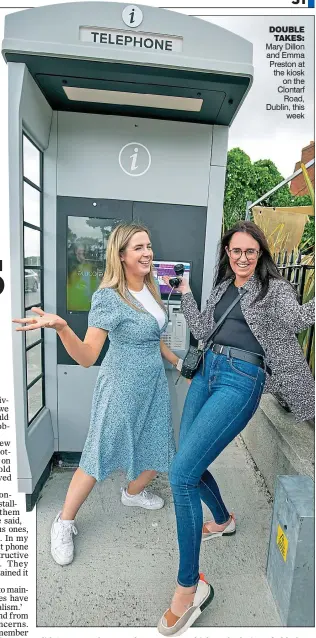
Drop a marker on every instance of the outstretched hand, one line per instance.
(43, 320)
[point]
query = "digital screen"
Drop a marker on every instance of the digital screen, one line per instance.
(161, 268)
(87, 239)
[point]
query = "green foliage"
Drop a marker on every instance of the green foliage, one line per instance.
(308, 239)
(247, 182)
(265, 177)
(238, 189)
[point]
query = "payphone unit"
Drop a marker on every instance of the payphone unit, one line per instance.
(177, 334)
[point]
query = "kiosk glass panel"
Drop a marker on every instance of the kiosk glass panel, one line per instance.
(32, 204)
(87, 239)
(32, 247)
(34, 363)
(31, 162)
(33, 264)
(35, 399)
(33, 335)
(32, 287)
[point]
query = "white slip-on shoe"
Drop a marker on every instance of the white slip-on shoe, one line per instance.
(229, 530)
(62, 545)
(144, 499)
(203, 597)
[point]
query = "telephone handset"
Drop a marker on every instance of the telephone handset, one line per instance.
(175, 282)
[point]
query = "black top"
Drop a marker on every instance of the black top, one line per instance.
(235, 331)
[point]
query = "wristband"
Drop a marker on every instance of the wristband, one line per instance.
(179, 365)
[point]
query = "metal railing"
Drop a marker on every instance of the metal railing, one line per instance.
(292, 269)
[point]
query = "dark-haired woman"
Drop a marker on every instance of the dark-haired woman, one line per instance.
(255, 348)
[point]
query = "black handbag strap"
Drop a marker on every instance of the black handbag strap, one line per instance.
(223, 317)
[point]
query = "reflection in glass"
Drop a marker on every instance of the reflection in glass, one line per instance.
(86, 248)
(32, 287)
(31, 161)
(33, 363)
(35, 399)
(32, 335)
(31, 205)
(32, 247)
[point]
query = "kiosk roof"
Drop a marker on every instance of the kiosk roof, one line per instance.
(86, 57)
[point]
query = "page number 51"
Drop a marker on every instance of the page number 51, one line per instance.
(309, 3)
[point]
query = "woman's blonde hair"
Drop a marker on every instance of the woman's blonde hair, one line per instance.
(114, 276)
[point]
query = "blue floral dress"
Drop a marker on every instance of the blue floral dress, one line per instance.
(130, 426)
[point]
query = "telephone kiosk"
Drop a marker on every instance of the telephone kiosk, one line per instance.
(125, 112)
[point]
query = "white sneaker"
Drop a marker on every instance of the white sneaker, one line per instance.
(62, 546)
(144, 499)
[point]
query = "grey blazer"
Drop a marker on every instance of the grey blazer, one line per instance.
(274, 321)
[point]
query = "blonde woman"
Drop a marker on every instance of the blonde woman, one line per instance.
(130, 426)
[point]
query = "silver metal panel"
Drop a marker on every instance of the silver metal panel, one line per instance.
(54, 30)
(38, 450)
(213, 227)
(88, 159)
(75, 390)
(36, 112)
(177, 397)
(50, 249)
(219, 145)
(35, 444)
(177, 333)
(290, 568)
(40, 444)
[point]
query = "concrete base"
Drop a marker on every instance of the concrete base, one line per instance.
(278, 444)
(126, 560)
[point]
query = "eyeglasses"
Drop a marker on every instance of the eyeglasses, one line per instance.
(250, 253)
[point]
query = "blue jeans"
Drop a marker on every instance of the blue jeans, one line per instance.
(218, 406)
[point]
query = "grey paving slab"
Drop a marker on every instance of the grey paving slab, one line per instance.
(126, 558)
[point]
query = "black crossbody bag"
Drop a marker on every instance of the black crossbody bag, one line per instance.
(194, 355)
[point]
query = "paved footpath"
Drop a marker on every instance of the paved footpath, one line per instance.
(126, 558)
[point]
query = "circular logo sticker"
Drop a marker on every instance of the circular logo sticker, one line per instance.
(134, 159)
(132, 16)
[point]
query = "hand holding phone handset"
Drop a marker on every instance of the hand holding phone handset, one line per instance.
(194, 355)
(178, 283)
(182, 284)
(175, 282)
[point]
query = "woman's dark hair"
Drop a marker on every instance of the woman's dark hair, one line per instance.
(265, 269)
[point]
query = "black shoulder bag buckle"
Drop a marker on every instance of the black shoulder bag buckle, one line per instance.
(194, 355)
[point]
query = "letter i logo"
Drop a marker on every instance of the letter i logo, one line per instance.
(134, 159)
(136, 163)
(132, 16)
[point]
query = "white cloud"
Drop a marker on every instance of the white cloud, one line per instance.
(262, 134)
